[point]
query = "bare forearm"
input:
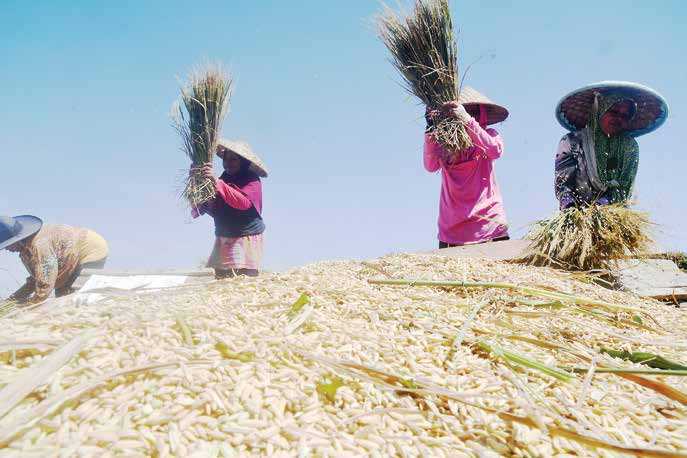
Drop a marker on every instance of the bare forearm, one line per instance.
(24, 292)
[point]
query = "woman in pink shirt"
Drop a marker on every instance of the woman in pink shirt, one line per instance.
(470, 208)
(237, 211)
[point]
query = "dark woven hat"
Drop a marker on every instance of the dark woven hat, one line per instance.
(573, 110)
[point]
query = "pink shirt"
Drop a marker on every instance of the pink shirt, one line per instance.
(240, 198)
(470, 208)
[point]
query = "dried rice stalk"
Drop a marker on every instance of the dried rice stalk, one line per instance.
(589, 238)
(424, 51)
(198, 119)
(560, 297)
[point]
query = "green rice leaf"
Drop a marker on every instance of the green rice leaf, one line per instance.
(244, 356)
(297, 306)
(185, 330)
(408, 383)
(525, 362)
(647, 359)
(328, 387)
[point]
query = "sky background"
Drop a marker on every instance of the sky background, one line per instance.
(85, 134)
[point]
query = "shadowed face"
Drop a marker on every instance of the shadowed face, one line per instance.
(231, 162)
(15, 247)
(617, 118)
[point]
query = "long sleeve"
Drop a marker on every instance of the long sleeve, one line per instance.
(487, 140)
(565, 171)
(229, 194)
(233, 196)
(45, 274)
(432, 153)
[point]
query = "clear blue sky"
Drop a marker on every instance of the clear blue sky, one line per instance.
(86, 91)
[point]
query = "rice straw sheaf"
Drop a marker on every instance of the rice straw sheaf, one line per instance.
(589, 238)
(326, 360)
(424, 51)
(198, 119)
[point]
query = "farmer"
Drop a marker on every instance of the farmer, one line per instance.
(236, 209)
(470, 208)
(596, 163)
(54, 255)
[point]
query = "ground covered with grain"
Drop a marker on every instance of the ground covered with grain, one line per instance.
(242, 367)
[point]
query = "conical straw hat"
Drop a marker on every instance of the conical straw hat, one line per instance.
(13, 230)
(471, 99)
(244, 150)
(573, 110)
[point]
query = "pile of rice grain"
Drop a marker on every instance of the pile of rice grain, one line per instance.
(238, 372)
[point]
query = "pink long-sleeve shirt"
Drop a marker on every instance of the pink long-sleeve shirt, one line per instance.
(470, 207)
(234, 196)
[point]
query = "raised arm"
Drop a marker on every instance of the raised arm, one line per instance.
(233, 196)
(488, 140)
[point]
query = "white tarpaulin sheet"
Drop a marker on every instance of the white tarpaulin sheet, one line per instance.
(133, 282)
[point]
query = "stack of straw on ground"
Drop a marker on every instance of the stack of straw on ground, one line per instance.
(589, 237)
(335, 359)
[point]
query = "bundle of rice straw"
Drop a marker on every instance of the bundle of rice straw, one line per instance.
(424, 51)
(199, 116)
(588, 238)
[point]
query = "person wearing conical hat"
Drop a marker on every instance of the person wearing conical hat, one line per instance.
(470, 207)
(237, 211)
(597, 162)
(54, 255)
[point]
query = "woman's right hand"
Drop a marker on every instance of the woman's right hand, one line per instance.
(208, 172)
(456, 110)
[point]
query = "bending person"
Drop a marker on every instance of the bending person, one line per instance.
(54, 255)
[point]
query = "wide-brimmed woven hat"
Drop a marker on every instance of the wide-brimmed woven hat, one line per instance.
(472, 99)
(13, 230)
(652, 109)
(244, 150)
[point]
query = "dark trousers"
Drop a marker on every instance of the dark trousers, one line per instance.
(450, 245)
(230, 273)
